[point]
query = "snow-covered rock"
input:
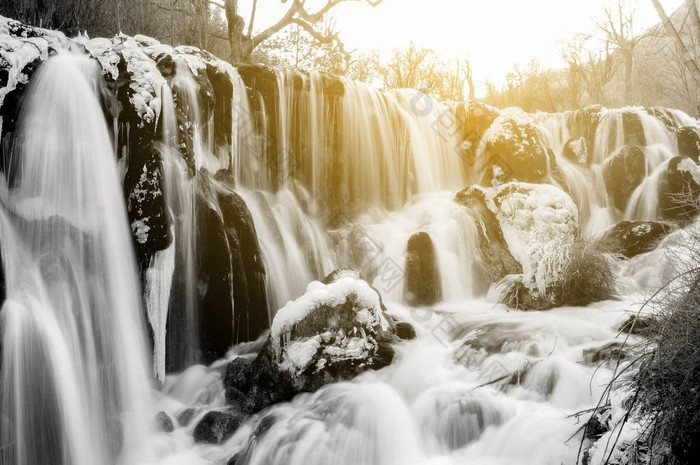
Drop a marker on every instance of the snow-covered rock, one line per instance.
(679, 190)
(335, 331)
(631, 238)
(576, 150)
(513, 149)
(537, 224)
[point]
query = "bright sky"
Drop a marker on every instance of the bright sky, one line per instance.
(493, 34)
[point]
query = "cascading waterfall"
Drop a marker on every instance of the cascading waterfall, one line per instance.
(586, 182)
(331, 173)
(75, 388)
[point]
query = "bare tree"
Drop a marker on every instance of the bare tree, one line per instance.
(294, 47)
(619, 29)
(243, 40)
(591, 64)
(423, 69)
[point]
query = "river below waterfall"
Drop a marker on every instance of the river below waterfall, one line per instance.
(449, 398)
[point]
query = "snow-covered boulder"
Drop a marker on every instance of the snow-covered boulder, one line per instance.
(513, 149)
(679, 190)
(688, 139)
(335, 331)
(576, 150)
(631, 238)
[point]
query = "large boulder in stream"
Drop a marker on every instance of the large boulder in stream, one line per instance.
(633, 128)
(679, 190)
(513, 149)
(631, 238)
(230, 266)
(529, 233)
(688, 139)
(217, 426)
(576, 150)
(334, 332)
(623, 172)
(473, 120)
(422, 275)
(494, 260)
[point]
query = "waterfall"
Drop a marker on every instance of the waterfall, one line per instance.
(262, 181)
(75, 388)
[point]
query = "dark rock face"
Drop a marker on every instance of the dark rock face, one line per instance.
(638, 325)
(164, 423)
(473, 119)
(514, 151)
(405, 331)
(584, 123)
(216, 427)
(610, 352)
(422, 275)
(633, 129)
(623, 173)
(2, 280)
(689, 143)
(315, 341)
(250, 310)
(215, 277)
(496, 260)
(576, 150)
(633, 238)
(679, 189)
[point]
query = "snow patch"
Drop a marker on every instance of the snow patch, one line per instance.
(688, 166)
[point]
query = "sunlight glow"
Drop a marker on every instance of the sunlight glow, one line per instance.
(493, 35)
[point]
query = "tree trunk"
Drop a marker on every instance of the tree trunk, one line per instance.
(629, 62)
(241, 46)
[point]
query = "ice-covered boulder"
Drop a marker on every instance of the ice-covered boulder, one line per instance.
(335, 331)
(538, 224)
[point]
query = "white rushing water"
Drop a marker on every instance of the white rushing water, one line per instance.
(75, 384)
(440, 402)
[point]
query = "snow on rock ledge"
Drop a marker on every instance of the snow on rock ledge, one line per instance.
(334, 332)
